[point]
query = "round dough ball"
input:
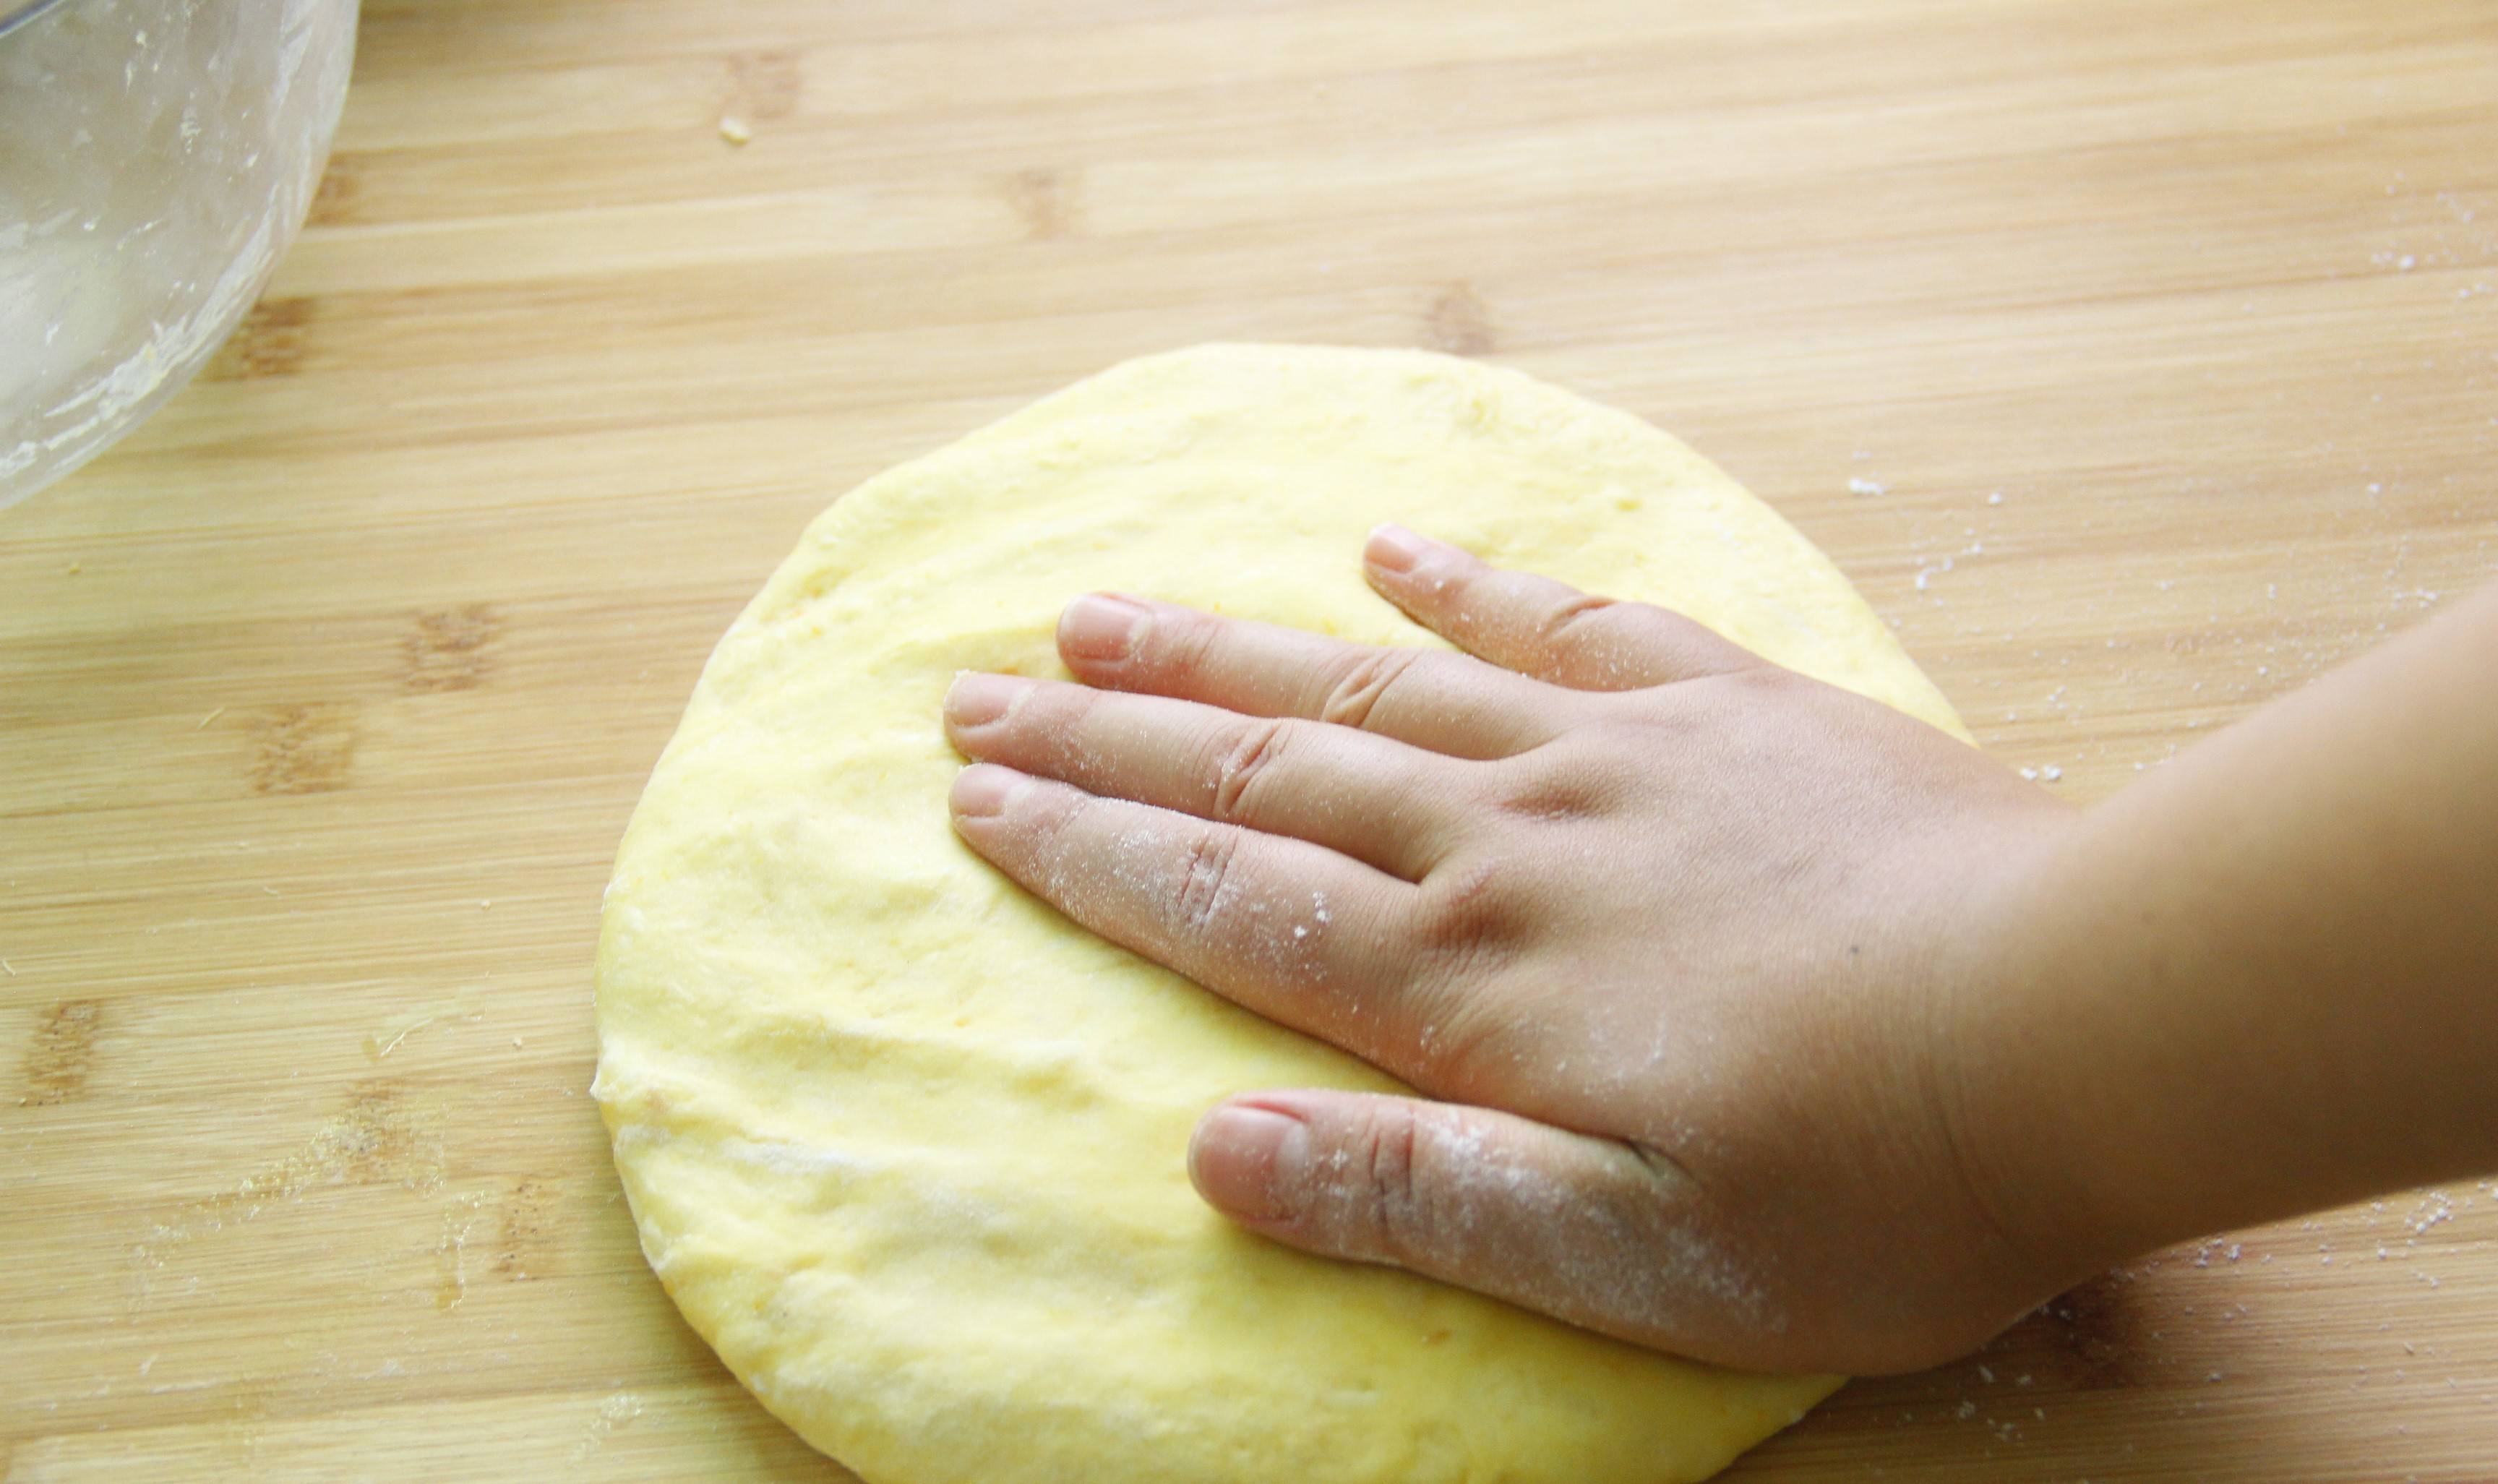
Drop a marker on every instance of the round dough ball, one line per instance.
(908, 1148)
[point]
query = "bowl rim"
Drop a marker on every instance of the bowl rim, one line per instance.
(11, 17)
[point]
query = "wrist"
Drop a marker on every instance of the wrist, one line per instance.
(2005, 1048)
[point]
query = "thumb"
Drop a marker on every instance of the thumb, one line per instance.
(1587, 1229)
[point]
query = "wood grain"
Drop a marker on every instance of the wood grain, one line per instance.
(2167, 332)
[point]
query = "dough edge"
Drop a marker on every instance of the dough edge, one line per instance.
(875, 1428)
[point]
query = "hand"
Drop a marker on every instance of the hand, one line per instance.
(1675, 938)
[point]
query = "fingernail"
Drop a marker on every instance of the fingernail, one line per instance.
(1100, 626)
(1391, 548)
(975, 699)
(983, 788)
(1252, 1163)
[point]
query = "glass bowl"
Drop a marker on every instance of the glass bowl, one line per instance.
(156, 157)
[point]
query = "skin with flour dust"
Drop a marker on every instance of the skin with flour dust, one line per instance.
(1751, 1019)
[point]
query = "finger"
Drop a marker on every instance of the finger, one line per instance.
(1583, 1228)
(1428, 698)
(1379, 801)
(1291, 931)
(1538, 627)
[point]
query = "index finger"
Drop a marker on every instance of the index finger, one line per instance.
(1289, 930)
(1432, 698)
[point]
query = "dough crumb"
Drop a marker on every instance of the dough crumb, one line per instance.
(735, 130)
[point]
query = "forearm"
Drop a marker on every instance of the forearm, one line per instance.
(2262, 980)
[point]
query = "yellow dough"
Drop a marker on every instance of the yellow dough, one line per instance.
(907, 1148)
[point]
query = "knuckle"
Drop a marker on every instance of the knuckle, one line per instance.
(1204, 886)
(1568, 618)
(1354, 694)
(1044, 815)
(1246, 757)
(1766, 683)
(1042, 826)
(1469, 928)
(1710, 704)
(1386, 1193)
(1458, 587)
(1543, 793)
(1470, 907)
(1177, 645)
(1062, 718)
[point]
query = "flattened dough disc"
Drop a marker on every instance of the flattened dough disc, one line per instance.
(907, 1148)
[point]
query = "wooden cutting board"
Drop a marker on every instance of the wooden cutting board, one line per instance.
(2140, 361)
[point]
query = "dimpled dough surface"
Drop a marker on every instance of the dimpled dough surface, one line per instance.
(908, 1148)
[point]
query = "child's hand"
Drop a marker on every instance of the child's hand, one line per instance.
(1677, 937)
